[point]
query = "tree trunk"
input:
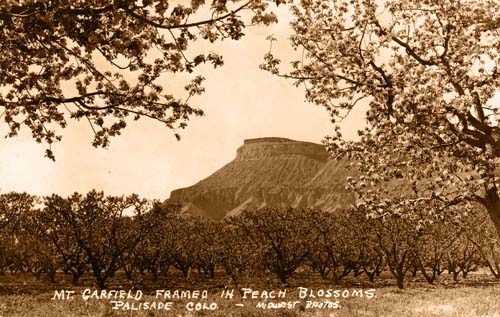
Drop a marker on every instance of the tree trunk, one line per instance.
(51, 274)
(234, 278)
(414, 271)
(154, 274)
(400, 281)
(185, 272)
(164, 269)
(75, 276)
(492, 202)
(282, 276)
(100, 281)
(371, 277)
(357, 271)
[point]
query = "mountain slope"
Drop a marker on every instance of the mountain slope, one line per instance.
(269, 172)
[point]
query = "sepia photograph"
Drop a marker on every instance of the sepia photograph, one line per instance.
(276, 158)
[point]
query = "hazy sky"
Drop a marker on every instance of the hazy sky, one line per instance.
(241, 101)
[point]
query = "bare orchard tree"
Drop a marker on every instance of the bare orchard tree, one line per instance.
(439, 240)
(13, 206)
(282, 237)
(70, 255)
(151, 253)
(235, 253)
(397, 239)
(337, 252)
(100, 227)
(16, 210)
(179, 242)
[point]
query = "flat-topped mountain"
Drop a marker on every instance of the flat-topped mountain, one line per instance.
(269, 172)
(262, 148)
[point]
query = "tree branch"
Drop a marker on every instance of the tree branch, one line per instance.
(185, 25)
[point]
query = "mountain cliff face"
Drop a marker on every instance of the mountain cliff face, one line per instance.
(269, 172)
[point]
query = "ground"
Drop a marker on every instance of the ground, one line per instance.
(479, 295)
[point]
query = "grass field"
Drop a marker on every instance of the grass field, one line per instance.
(479, 295)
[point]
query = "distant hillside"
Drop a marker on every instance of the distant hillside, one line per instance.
(269, 172)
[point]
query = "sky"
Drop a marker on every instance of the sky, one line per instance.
(241, 102)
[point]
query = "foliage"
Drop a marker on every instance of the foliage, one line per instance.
(427, 74)
(103, 61)
(103, 235)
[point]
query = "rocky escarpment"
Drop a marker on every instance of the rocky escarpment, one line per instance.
(262, 148)
(269, 172)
